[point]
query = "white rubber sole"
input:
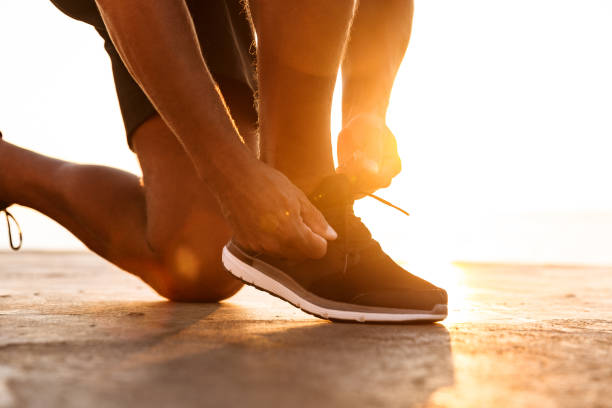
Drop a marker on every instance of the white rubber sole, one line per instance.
(260, 280)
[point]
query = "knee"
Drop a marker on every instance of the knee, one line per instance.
(185, 275)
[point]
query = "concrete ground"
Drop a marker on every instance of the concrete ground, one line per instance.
(77, 332)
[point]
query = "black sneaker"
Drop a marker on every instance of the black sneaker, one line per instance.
(9, 218)
(354, 281)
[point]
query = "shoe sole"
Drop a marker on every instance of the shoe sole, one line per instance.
(272, 280)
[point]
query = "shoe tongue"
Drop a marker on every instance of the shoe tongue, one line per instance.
(333, 191)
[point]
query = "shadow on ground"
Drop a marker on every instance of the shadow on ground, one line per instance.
(76, 332)
(157, 354)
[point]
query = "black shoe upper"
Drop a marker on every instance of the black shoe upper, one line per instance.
(355, 269)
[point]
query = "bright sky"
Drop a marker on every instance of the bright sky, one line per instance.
(503, 112)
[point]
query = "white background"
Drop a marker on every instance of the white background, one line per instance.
(503, 112)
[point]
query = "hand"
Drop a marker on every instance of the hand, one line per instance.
(367, 153)
(269, 214)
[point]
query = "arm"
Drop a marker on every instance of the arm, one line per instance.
(379, 37)
(159, 46)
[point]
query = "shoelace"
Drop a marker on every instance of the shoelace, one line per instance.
(348, 213)
(10, 217)
(382, 200)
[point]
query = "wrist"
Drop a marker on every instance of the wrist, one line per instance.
(371, 118)
(363, 99)
(371, 113)
(228, 168)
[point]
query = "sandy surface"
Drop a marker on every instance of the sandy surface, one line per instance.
(76, 332)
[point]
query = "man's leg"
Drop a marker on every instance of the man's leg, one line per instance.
(185, 226)
(300, 46)
(169, 232)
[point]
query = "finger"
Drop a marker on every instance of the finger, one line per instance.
(361, 172)
(385, 182)
(289, 250)
(310, 244)
(366, 182)
(366, 177)
(391, 169)
(316, 222)
(391, 160)
(357, 184)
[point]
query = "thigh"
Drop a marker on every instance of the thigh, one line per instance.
(226, 39)
(185, 226)
(227, 45)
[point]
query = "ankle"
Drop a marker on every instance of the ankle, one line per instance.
(12, 167)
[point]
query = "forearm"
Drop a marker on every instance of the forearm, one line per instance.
(379, 38)
(159, 46)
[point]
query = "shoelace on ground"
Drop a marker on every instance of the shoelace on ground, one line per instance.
(10, 217)
(348, 213)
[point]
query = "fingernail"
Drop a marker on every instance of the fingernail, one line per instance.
(331, 233)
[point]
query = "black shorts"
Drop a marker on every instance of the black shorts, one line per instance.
(227, 44)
